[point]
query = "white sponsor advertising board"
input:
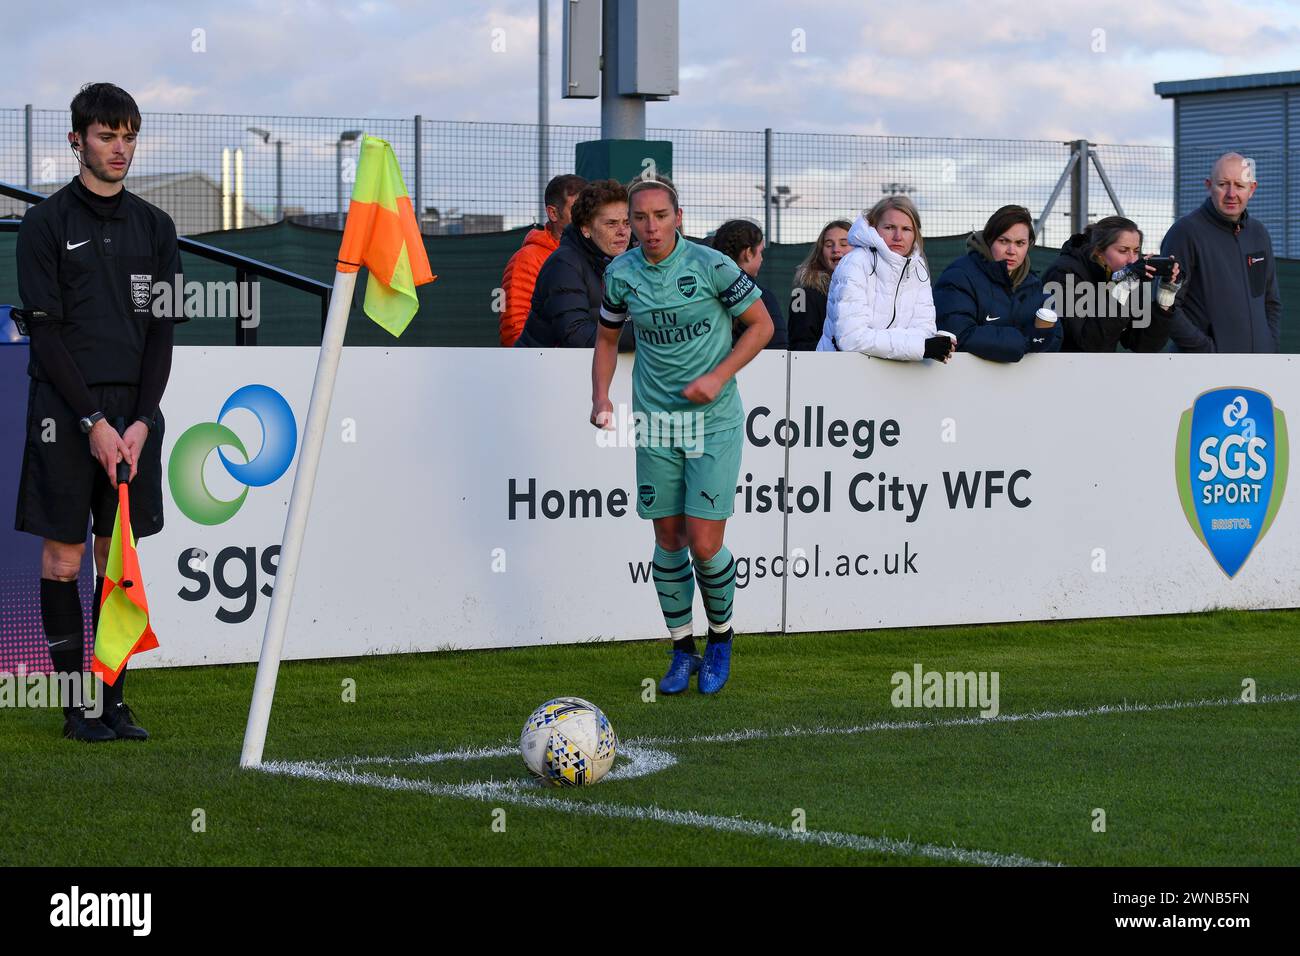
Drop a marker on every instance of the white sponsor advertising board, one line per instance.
(464, 500)
(1045, 489)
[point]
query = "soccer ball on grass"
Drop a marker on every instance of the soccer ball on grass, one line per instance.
(568, 742)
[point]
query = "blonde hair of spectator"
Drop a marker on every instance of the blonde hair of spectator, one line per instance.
(907, 208)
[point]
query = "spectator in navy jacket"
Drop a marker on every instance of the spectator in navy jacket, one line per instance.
(1230, 302)
(989, 297)
(565, 308)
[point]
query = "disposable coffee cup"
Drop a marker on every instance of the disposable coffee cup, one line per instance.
(1046, 316)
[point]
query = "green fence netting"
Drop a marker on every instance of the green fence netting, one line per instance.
(458, 309)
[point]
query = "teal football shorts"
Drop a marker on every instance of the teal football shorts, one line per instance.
(674, 479)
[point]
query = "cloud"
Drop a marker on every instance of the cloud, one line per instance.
(943, 70)
(946, 68)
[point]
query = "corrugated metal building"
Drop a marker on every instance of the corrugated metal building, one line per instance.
(1256, 115)
(190, 198)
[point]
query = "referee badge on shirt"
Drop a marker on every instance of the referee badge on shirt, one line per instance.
(141, 287)
(686, 285)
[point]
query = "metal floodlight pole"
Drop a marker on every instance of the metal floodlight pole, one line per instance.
(418, 196)
(778, 198)
(265, 136)
(279, 180)
(767, 184)
(27, 137)
(543, 107)
(621, 117)
(1079, 188)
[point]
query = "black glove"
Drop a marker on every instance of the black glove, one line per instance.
(939, 347)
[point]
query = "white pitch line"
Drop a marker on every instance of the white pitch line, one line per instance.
(734, 736)
(634, 760)
(441, 756)
(512, 792)
(647, 760)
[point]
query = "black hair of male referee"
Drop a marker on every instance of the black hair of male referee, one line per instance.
(88, 257)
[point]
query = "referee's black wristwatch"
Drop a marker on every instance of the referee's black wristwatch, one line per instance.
(90, 421)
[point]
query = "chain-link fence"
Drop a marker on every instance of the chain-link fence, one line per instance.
(216, 173)
(213, 172)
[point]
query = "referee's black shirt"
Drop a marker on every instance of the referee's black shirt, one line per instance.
(90, 262)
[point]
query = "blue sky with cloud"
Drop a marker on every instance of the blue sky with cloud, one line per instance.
(1000, 68)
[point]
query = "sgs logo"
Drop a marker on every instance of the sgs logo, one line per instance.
(1232, 458)
(192, 450)
(234, 574)
(1231, 467)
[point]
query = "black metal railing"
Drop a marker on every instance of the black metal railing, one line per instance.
(245, 334)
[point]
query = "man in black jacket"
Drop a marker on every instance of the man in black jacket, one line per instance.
(88, 257)
(1229, 301)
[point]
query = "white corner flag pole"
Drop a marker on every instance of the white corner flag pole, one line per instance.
(304, 483)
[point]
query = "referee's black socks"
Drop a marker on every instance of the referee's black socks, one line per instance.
(62, 619)
(112, 692)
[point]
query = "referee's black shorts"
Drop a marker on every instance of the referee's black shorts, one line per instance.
(62, 485)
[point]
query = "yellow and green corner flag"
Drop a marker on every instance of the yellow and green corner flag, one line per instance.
(123, 611)
(383, 235)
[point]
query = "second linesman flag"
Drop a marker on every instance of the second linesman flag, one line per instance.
(383, 235)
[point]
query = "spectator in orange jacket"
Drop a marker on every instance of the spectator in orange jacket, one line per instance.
(521, 271)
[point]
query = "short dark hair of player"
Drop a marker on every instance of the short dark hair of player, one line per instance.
(653, 182)
(1004, 219)
(561, 188)
(594, 195)
(736, 236)
(107, 104)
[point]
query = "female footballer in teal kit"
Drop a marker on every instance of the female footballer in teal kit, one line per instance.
(681, 298)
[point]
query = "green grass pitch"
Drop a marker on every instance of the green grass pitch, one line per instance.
(1140, 718)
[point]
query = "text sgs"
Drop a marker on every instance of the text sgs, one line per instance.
(235, 574)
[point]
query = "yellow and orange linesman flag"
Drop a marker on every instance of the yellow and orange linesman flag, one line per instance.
(124, 611)
(383, 235)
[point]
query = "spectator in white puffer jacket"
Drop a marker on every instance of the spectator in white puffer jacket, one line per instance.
(879, 301)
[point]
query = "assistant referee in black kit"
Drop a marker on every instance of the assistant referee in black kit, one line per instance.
(88, 257)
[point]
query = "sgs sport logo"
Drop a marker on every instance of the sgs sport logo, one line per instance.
(191, 455)
(1230, 462)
